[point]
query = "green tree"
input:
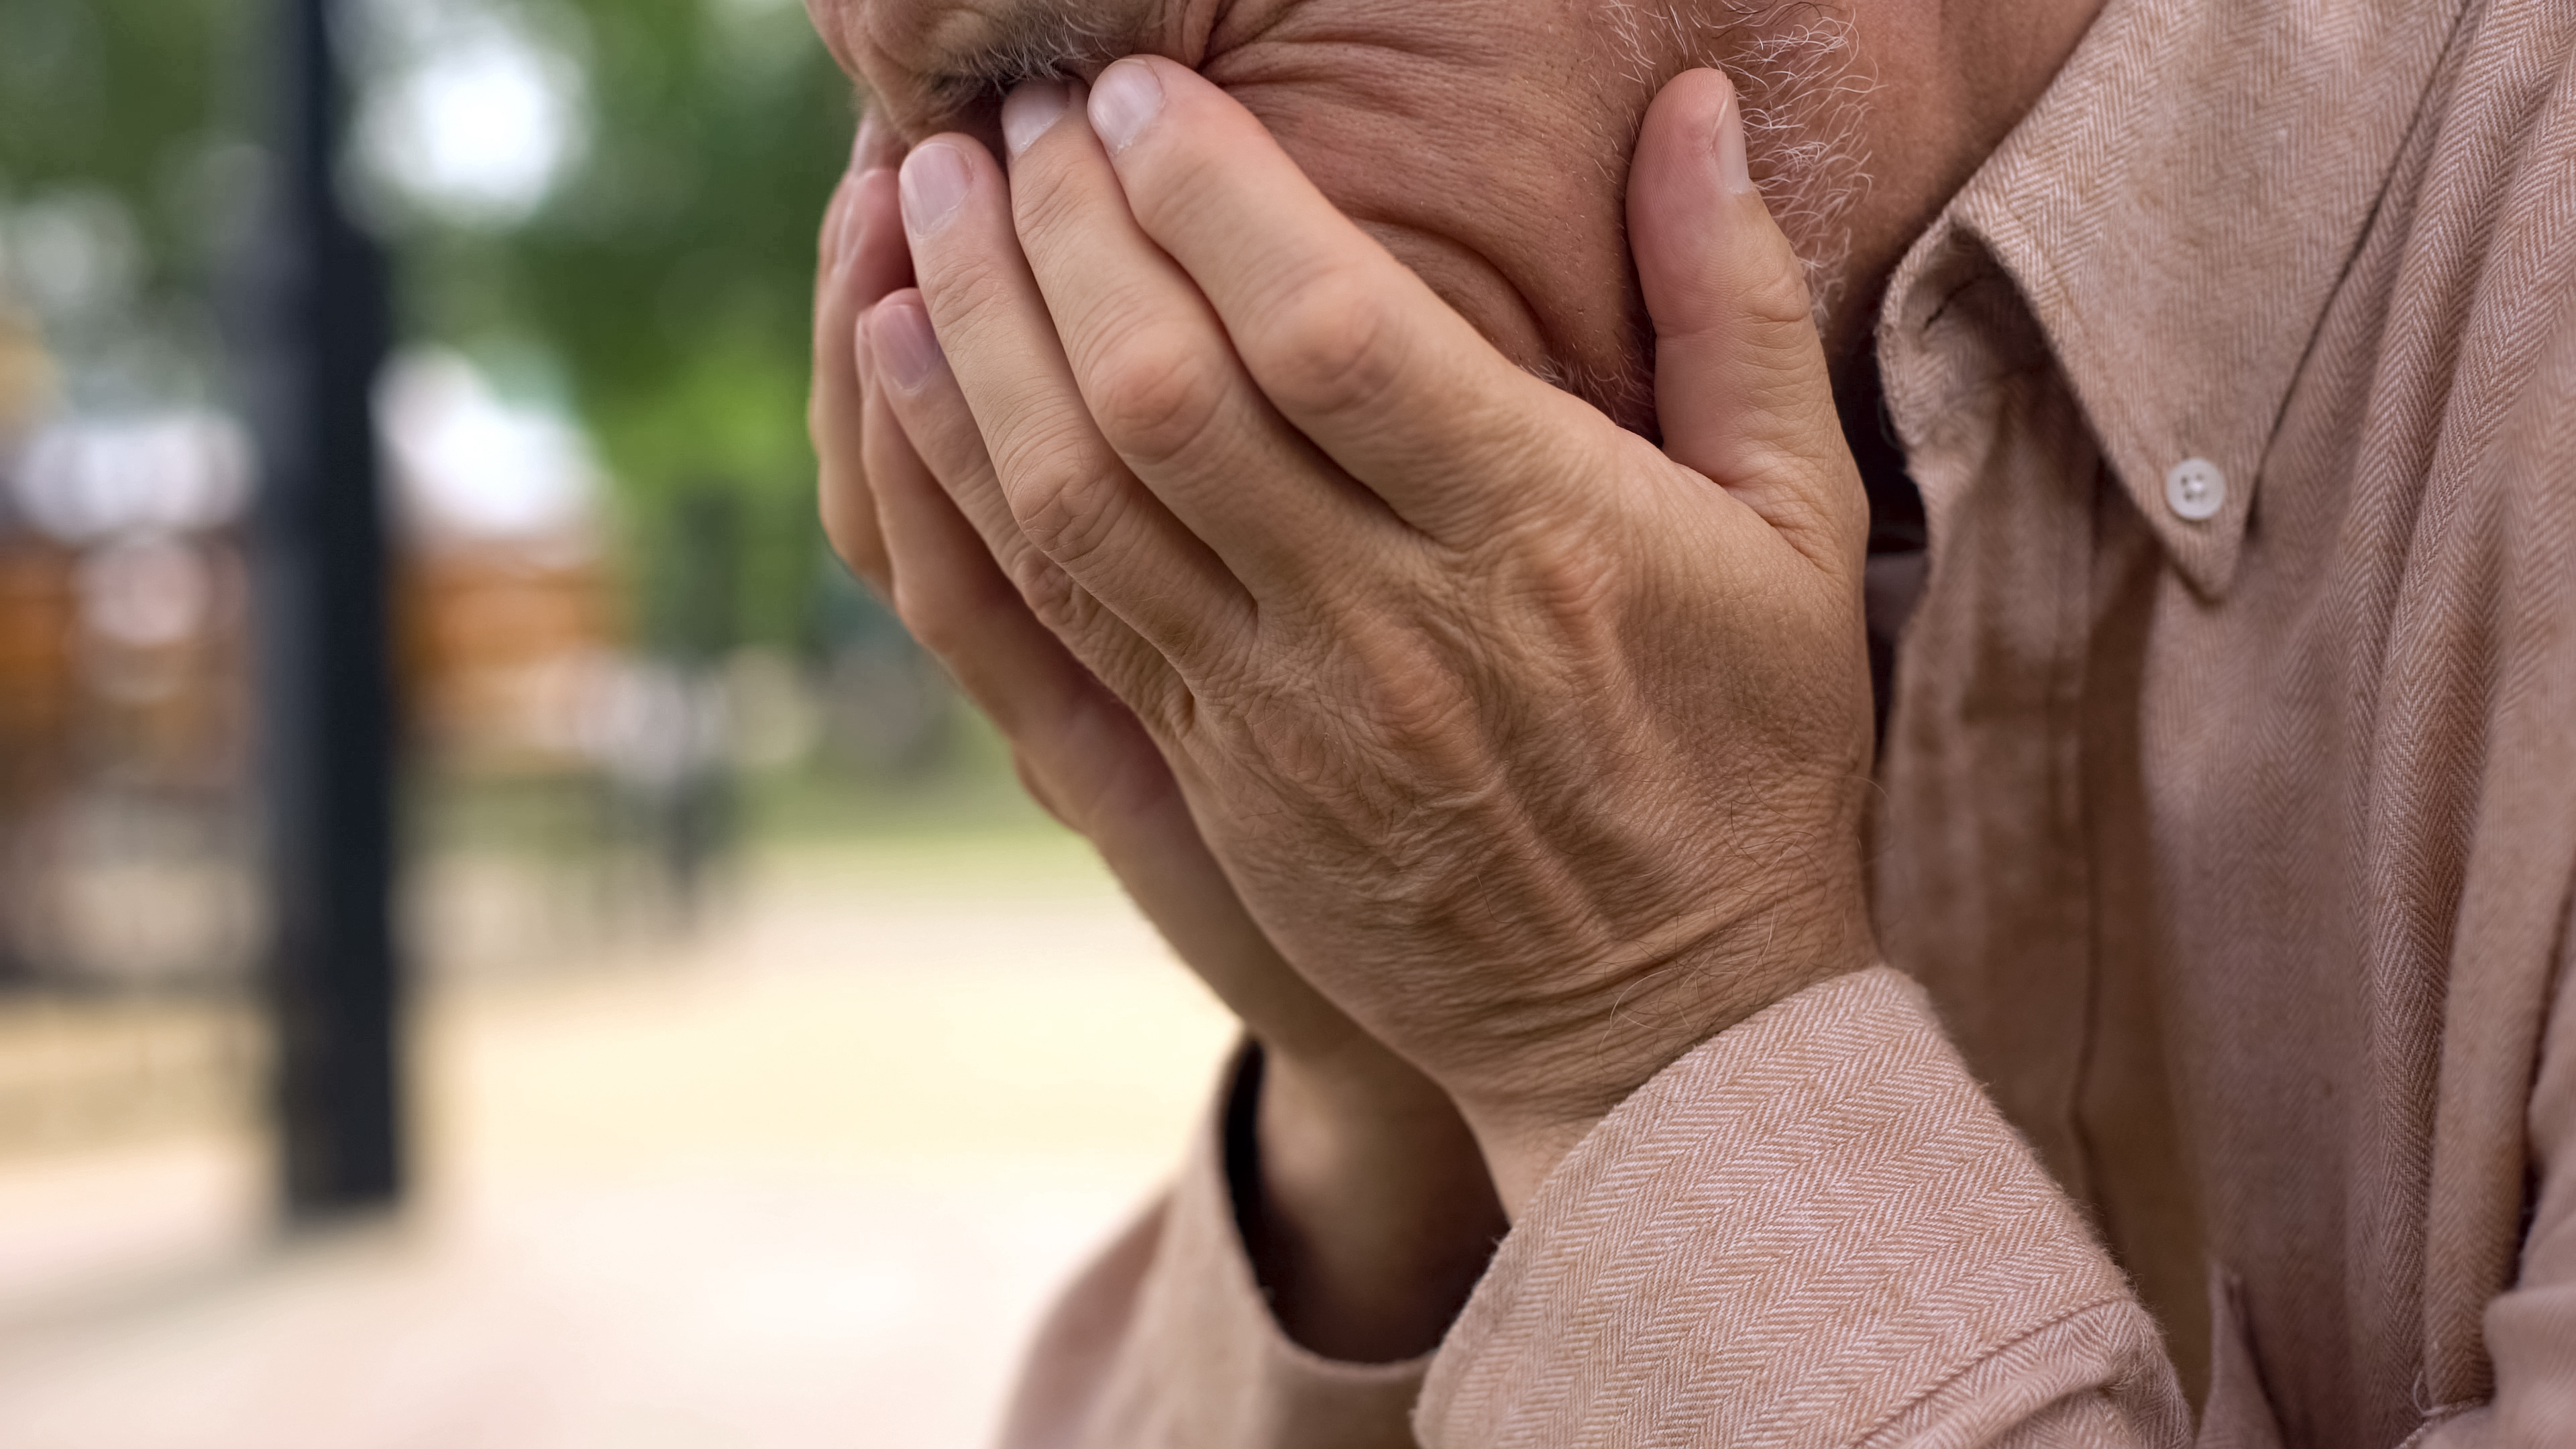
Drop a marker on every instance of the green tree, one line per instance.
(662, 287)
(671, 273)
(120, 162)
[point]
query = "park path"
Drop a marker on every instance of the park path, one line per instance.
(802, 1179)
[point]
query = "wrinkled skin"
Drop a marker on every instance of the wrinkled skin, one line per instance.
(1537, 750)
(1484, 145)
(1481, 755)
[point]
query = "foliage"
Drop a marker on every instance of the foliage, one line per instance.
(119, 122)
(671, 275)
(120, 94)
(662, 290)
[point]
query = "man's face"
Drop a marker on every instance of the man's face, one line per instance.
(1484, 142)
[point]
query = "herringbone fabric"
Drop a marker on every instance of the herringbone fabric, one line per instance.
(2233, 854)
(1788, 1238)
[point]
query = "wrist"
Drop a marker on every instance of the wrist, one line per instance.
(1558, 1088)
(1366, 1206)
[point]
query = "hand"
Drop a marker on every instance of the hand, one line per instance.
(1374, 1215)
(1542, 751)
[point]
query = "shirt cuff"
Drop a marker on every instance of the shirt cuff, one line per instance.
(1795, 1234)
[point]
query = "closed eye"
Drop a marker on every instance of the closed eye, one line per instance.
(1046, 45)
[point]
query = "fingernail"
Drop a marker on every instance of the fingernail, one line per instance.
(906, 345)
(1030, 110)
(1732, 173)
(1123, 100)
(935, 179)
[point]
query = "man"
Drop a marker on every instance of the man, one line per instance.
(1259, 426)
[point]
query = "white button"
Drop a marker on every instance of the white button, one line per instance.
(2195, 489)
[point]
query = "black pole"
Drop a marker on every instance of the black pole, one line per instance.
(317, 325)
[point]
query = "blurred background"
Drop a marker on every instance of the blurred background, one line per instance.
(501, 942)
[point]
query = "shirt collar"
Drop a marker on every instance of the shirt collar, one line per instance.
(2177, 210)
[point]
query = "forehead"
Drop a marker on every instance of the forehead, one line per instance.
(926, 62)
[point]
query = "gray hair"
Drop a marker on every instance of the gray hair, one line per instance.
(1799, 84)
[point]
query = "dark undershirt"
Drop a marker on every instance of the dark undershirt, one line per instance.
(1893, 577)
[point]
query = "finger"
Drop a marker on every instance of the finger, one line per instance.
(1740, 381)
(1066, 488)
(1077, 749)
(833, 411)
(1007, 619)
(1156, 370)
(1352, 347)
(871, 257)
(861, 257)
(950, 592)
(1035, 783)
(880, 261)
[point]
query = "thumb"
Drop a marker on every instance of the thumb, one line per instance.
(1740, 383)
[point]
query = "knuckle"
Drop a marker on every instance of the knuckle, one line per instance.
(930, 615)
(1178, 187)
(1779, 294)
(926, 617)
(1153, 394)
(1044, 198)
(1062, 500)
(1051, 594)
(1416, 717)
(949, 613)
(964, 287)
(1410, 702)
(1329, 346)
(1567, 577)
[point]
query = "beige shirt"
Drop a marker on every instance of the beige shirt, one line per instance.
(2229, 832)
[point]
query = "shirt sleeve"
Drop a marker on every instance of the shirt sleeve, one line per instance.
(1166, 1342)
(2531, 1327)
(1815, 1229)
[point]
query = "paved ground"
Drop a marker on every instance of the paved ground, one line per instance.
(804, 1181)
